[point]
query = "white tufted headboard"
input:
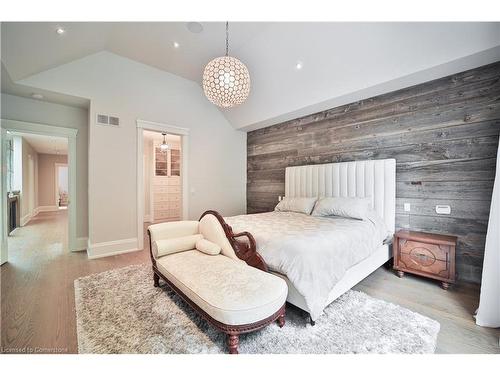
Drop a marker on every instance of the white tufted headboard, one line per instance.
(365, 178)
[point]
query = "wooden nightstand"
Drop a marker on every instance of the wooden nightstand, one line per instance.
(425, 254)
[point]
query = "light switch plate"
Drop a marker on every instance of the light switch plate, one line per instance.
(407, 207)
(443, 209)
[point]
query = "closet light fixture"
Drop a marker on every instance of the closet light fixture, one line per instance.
(164, 145)
(226, 80)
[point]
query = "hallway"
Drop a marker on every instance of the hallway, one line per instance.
(37, 295)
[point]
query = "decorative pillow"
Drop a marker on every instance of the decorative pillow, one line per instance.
(355, 208)
(301, 205)
(208, 247)
(175, 245)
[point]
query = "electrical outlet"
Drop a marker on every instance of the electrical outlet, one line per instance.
(407, 207)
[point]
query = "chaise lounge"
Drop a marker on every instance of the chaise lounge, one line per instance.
(221, 277)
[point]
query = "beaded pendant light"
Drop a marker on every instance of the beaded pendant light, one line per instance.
(226, 80)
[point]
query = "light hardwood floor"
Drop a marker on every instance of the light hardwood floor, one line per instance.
(452, 308)
(38, 300)
(38, 308)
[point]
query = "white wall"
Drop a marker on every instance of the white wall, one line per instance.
(30, 110)
(28, 180)
(131, 91)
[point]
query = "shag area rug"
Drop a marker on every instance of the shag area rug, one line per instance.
(119, 311)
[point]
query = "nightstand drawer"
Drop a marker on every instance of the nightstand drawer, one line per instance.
(433, 251)
(423, 262)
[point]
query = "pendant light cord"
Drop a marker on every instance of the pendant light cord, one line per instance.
(227, 38)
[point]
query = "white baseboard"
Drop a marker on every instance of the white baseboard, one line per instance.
(81, 244)
(45, 209)
(25, 219)
(106, 249)
(14, 231)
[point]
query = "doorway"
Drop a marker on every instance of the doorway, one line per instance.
(162, 177)
(35, 171)
(42, 146)
(168, 171)
(61, 186)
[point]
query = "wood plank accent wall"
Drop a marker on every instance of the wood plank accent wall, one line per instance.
(443, 134)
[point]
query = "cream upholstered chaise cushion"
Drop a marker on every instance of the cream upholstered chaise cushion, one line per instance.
(223, 286)
(175, 245)
(207, 247)
(209, 227)
(212, 231)
(228, 290)
(172, 230)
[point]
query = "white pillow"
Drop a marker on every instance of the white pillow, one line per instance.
(208, 247)
(301, 205)
(355, 208)
(175, 245)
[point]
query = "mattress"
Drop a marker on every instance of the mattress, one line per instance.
(314, 253)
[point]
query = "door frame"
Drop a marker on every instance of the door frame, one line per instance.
(43, 129)
(56, 177)
(3, 200)
(159, 127)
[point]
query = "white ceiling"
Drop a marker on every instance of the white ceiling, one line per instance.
(11, 88)
(342, 62)
(32, 47)
(44, 144)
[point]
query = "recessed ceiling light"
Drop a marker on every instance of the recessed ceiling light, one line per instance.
(299, 65)
(60, 31)
(195, 27)
(176, 45)
(37, 96)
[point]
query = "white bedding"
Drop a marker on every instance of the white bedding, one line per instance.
(313, 252)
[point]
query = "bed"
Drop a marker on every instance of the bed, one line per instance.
(321, 258)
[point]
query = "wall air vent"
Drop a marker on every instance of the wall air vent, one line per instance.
(114, 121)
(102, 119)
(108, 120)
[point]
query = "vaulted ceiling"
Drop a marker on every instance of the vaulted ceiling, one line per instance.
(341, 62)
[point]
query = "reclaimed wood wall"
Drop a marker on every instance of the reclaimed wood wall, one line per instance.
(443, 135)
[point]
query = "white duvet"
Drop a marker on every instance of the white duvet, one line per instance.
(313, 252)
